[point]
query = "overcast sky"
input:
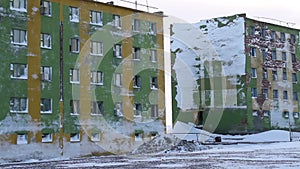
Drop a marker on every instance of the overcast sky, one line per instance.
(195, 10)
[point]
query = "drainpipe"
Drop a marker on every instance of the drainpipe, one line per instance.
(61, 100)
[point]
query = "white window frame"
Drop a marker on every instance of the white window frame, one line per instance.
(46, 8)
(137, 109)
(154, 83)
(153, 55)
(152, 28)
(73, 14)
(96, 48)
(138, 136)
(47, 138)
(253, 72)
(118, 79)
(266, 113)
(137, 81)
(136, 53)
(75, 45)
(296, 115)
(118, 51)
(74, 137)
(117, 22)
(21, 107)
(95, 136)
(74, 107)
(286, 114)
(254, 92)
(18, 5)
(97, 77)
(46, 73)
(18, 71)
(154, 111)
(118, 110)
(74, 76)
(42, 104)
(136, 25)
(96, 18)
(19, 37)
(22, 138)
(97, 108)
(254, 113)
(46, 41)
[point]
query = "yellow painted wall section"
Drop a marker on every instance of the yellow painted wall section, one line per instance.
(34, 59)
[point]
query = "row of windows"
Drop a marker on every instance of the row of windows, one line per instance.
(266, 113)
(20, 71)
(20, 105)
(264, 33)
(253, 53)
(274, 74)
(265, 93)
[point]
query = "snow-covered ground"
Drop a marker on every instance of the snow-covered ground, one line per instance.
(247, 151)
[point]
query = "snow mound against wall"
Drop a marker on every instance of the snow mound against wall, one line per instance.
(187, 146)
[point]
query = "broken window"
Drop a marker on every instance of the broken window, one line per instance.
(18, 71)
(96, 48)
(253, 73)
(74, 76)
(254, 92)
(74, 14)
(253, 51)
(294, 77)
(75, 107)
(295, 96)
(285, 95)
(275, 94)
(137, 81)
(18, 5)
(46, 105)
(18, 105)
(19, 37)
(282, 36)
(46, 8)
(96, 17)
(97, 108)
(137, 108)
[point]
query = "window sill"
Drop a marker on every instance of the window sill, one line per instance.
(46, 47)
(47, 15)
(94, 114)
(74, 114)
(18, 78)
(46, 112)
(95, 54)
(75, 52)
(18, 9)
(47, 141)
(97, 84)
(118, 57)
(72, 82)
(136, 87)
(152, 88)
(20, 112)
(96, 24)
(19, 44)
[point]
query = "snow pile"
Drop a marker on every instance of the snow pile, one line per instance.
(158, 144)
(187, 146)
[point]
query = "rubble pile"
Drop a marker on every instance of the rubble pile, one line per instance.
(187, 146)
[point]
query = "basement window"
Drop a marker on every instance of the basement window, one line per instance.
(286, 114)
(46, 105)
(47, 138)
(137, 108)
(22, 138)
(254, 113)
(266, 113)
(18, 71)
(18, 105)
(138, 135)
(18, 5)
(46, 8)
(74, 14)
(296, 115)
(75, 137)
(95, 136)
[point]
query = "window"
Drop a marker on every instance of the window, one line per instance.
(292, 38)
(137, 81)
(136, 25)
(252, 31)
(264, 54)
(46, 105)
(266, 113)
(153, 57)
(118, 110)
(263, 32)
(254, 113)
(18, 5)
(22, 138)
(253, 73)
(265, 73)
(74, 45)
(275, 94)
(136, 53)
(282, 36)
(18, 105)
(253, 51)
(74, 14)
(117, 21)
(274, 74)
(284, 76)
(19, 37)
(74, 137)
(46, 40)
(118, 51)
(96, 48)
(18, 71)
(296, 115)
(47, 138)
(118, 79)
(152, 28)
(293, 57)
(46, 8)
(274, 56)
(273, 35)
(265, 93)
(254, 92)
(286, 114)
(295, 96)
(95, 136)
(46, 73)
(74, 76)
(294, 77)
(137, 109)
(97, 108)
(154, 110)
(96, 18)
(154, 83)
(75, 107)
(285, 95)
(97, 77)
(138, 136)
(283, 54)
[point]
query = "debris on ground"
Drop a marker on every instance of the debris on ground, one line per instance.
(187, 146)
